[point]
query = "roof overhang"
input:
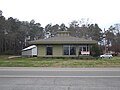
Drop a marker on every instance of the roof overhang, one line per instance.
(29, 48)
(64, 42)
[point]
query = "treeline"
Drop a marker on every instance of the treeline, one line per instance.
(15, 34)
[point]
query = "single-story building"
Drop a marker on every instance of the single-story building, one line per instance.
(63, 45)
(30, 51)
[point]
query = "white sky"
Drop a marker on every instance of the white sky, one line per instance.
(102, 12)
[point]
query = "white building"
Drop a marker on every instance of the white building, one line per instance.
(30, 51)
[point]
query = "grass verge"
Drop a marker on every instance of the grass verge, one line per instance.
(58, 62)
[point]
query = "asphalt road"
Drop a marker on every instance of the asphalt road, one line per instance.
(59, 78)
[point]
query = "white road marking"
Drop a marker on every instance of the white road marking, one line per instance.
(17, 76)
(58, 70)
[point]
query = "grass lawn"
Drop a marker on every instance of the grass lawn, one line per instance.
(58, 62)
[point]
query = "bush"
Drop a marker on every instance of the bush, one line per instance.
(95, 51)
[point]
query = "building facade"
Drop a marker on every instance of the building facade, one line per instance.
(63, 45)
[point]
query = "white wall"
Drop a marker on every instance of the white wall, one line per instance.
(27, 53)
(34, 51)
(30, 52)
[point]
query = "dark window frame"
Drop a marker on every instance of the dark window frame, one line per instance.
(69, 50)
(49, 50)
(65, 50)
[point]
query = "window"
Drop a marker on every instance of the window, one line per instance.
(84, 49)
(72, 50)
(80, 49)
(49, 50)
(69, 50)
(66, 50)
(87, 48)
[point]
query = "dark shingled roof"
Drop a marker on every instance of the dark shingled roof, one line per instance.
(64, 40)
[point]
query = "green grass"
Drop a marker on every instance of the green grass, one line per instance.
(58, 62)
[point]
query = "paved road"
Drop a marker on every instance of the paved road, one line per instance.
(59, 79)
(59, 72)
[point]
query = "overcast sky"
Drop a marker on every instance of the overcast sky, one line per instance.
(102, 12)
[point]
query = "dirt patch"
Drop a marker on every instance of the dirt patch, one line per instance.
(10, 57)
